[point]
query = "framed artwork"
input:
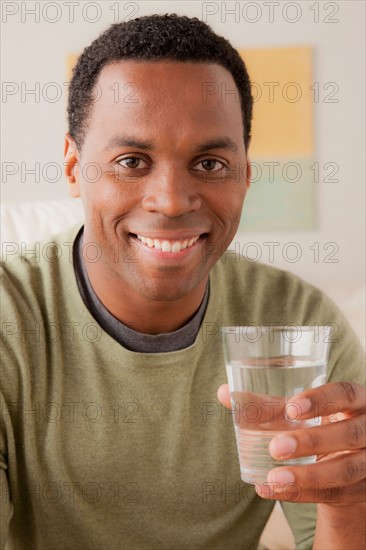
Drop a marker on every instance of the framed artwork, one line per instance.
(282, 195)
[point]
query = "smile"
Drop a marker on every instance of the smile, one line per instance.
(166, 245)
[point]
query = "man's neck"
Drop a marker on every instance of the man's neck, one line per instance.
(138, 312)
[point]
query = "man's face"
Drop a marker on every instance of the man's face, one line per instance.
(152, 165)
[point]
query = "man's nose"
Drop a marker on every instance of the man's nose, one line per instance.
(172, 192)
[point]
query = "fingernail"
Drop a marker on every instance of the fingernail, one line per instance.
(281, 477)
(282, 446)
(296, 407)
(264, 491)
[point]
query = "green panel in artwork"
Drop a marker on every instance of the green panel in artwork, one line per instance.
(282, 196)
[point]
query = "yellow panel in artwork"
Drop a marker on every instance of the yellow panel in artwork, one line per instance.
(71, 61)
(283, 106)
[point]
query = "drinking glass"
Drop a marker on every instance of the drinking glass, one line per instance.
(266, 366)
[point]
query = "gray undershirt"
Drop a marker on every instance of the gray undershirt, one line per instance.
(127, 337)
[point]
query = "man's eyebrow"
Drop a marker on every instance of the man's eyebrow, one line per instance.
(124, 141)
(218, 143)
(214, 143)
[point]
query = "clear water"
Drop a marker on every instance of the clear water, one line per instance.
(262, 390)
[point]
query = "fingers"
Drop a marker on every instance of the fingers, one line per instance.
(254, 408)
(328, 399)
(266, 405)
(223, 395)
(337, 480)
(345, 435)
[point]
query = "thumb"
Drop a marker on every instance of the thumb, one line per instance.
(224, 396)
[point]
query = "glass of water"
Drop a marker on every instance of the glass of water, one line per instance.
(266, 366)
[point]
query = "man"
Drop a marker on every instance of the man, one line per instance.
(112, 436)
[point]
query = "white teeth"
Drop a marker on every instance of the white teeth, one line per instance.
(167, 246)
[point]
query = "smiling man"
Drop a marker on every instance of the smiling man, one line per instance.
(169, 189)
(112, 435)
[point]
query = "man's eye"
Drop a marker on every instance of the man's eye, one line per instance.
(211, 165)
(130, 162)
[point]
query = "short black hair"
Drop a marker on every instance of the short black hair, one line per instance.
(152, 38)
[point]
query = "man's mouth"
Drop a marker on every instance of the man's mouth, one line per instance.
(169, 245)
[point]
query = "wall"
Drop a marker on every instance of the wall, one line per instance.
(34, 54)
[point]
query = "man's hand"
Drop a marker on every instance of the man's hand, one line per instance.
(339, 475)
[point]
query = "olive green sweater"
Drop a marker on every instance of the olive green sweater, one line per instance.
(105, 448)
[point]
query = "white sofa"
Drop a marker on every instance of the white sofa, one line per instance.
(29, 222)
(32, 221)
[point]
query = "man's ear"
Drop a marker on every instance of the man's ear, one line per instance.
(71, 156)
(249, 173)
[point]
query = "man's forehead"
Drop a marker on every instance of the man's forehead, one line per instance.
(134, 79)
(165, 101)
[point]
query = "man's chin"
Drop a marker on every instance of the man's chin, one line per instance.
(164, 291)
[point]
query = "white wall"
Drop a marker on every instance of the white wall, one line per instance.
(35, 52)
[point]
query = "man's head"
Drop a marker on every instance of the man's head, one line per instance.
(155, 158)
(154, 38)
